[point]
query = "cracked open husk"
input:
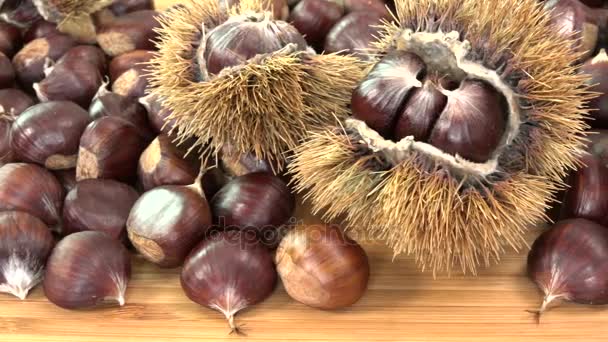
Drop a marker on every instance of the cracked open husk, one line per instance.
(264, 106)
(447, 211)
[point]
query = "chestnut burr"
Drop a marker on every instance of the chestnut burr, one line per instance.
(87, 269)
(32, 189)
(49, 133)
(25, 244)
(133, 31)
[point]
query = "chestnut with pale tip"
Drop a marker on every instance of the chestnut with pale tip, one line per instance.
(132, 83)
(597, 69)
(25, 244)
(229, 272)
(110, 148)
(40, 29)
(158, 114)
(166, 223)
(49, 134)
(127, 61)
(30, 61)
(236, 164)
(322, 267)
(87, 269)
(568, 262)
(32, 189)
(99, 205)
(133, 31)
(161, 163)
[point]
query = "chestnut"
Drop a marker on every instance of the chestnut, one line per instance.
(133, 31)
(99, 205)
(7, 72)
(166, 223)
(14, 101)
(157, 114)
(315, 18)
(161, 163)
(21, 13)
(32, 189)
(132, 83)
(76, 77)
(40, 29)
(87, 269)
(25, 244)
(235, 164)
(127, 61)
(597, 68)
(107, 103)
(322, 267)
(29, 62)
(568, 263)
(67, 179)
(110, 148)
(258, 201)
(122, 7)
(10, 39)
(90, 54)
(354, 33)
(49, 133)
(280, 9)
(6, 151)
(574, 19)
(228, 272)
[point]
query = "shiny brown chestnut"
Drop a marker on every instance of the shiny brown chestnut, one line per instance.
(315, 18)
(7, 72)
(49, 133)
(87, 269)
(127, 61)
(99, 205)
(15, 101)
(10, 39)
(236, 164)
(158, 114)
(67, 179)
(258, 201)
(162, 163)
(25, 244)
(90, 54)
(110, 148)
(30, 61)
(322, 267)
(122, 7)
(166, 223)
(40, 29)
(132, 83)
(133, 31)
(572, 18)
(12, 103)
(243, 37)
(568, 263)
(398, 99)
(597, 68)
(6, 151)
(229, 272)
(32, 189)
(354, 33)
(76, 77)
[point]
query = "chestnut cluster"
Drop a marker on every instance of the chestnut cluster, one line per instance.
(343, 26)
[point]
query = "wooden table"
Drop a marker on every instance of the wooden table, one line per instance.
(401, 305)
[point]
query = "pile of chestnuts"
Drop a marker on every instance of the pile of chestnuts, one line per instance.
(91, 174)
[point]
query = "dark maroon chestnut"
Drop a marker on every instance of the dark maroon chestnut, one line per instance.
(243, 37)
(127, 61)
(10, 39)
(229, 272)
(7, 72)
(322, 267)
(21, 13)
(163, 164)
(122, 7)
(67, 179)
(30, 61)
(49, 133)
(258, 201)
(594, 3)
(90, 54)
(166, 222)
(32, 189)
(99, 205)
(568, 263)
(133, 31)
(132, 83)
(597, 68)
(315, 18)
(107, 103)
(25, 244)
(74, 78)
(235, 164)
(6, 151)
(353, 34)
(14, 101)
(87, 269)
(398, 99)
(157, 114)
(40, 29)
(375, 6)
(110, 148)
(573, 19)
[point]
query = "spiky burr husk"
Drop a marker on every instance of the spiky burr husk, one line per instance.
(446, 211)
(265, 106)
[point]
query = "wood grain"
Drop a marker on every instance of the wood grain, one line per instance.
(401, 305)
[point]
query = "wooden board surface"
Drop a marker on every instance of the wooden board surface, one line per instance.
(401, 305)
